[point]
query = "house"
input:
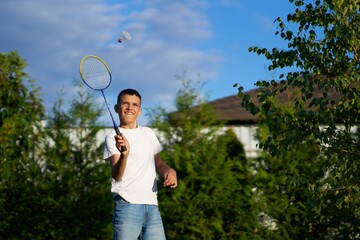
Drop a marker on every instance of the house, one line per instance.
(244, 124)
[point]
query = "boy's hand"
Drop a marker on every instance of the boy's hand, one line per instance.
(170, 178)
(121, 141)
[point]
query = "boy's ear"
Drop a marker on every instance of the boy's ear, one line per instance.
(116, 108)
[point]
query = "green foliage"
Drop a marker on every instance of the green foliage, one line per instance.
(53, 183)
(325, 55)
(79, 179)
(214, 198)
(21, 108)
(20, 117)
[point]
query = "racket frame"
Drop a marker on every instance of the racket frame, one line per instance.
(116, 128)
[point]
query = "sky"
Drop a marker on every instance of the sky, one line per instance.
(208, 40)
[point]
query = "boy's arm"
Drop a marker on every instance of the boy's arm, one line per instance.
(167, 172)
(118, 162)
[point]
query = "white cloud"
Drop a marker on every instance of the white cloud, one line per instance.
(54, 35)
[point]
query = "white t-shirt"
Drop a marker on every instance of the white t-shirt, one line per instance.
(139, 183)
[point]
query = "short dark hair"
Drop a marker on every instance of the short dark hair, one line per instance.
(128, 91)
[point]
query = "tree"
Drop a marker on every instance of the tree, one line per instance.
(76, 177)
(21, 108)
(20, 131)
(214, 198)
(324, 54)
(53, 182)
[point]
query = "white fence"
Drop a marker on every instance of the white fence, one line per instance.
(245, 134)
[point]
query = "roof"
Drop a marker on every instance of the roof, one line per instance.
(229, 108)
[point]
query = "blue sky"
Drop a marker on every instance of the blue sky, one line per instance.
(207, 38)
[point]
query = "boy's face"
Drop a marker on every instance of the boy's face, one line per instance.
(129, 109)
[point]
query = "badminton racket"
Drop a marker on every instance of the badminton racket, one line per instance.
(96, 75)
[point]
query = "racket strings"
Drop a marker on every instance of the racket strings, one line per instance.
(95, 74)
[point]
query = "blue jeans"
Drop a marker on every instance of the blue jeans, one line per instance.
(137, 221)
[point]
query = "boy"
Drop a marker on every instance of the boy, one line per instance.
(133, 171)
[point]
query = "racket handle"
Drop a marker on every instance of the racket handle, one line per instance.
(123, 148)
